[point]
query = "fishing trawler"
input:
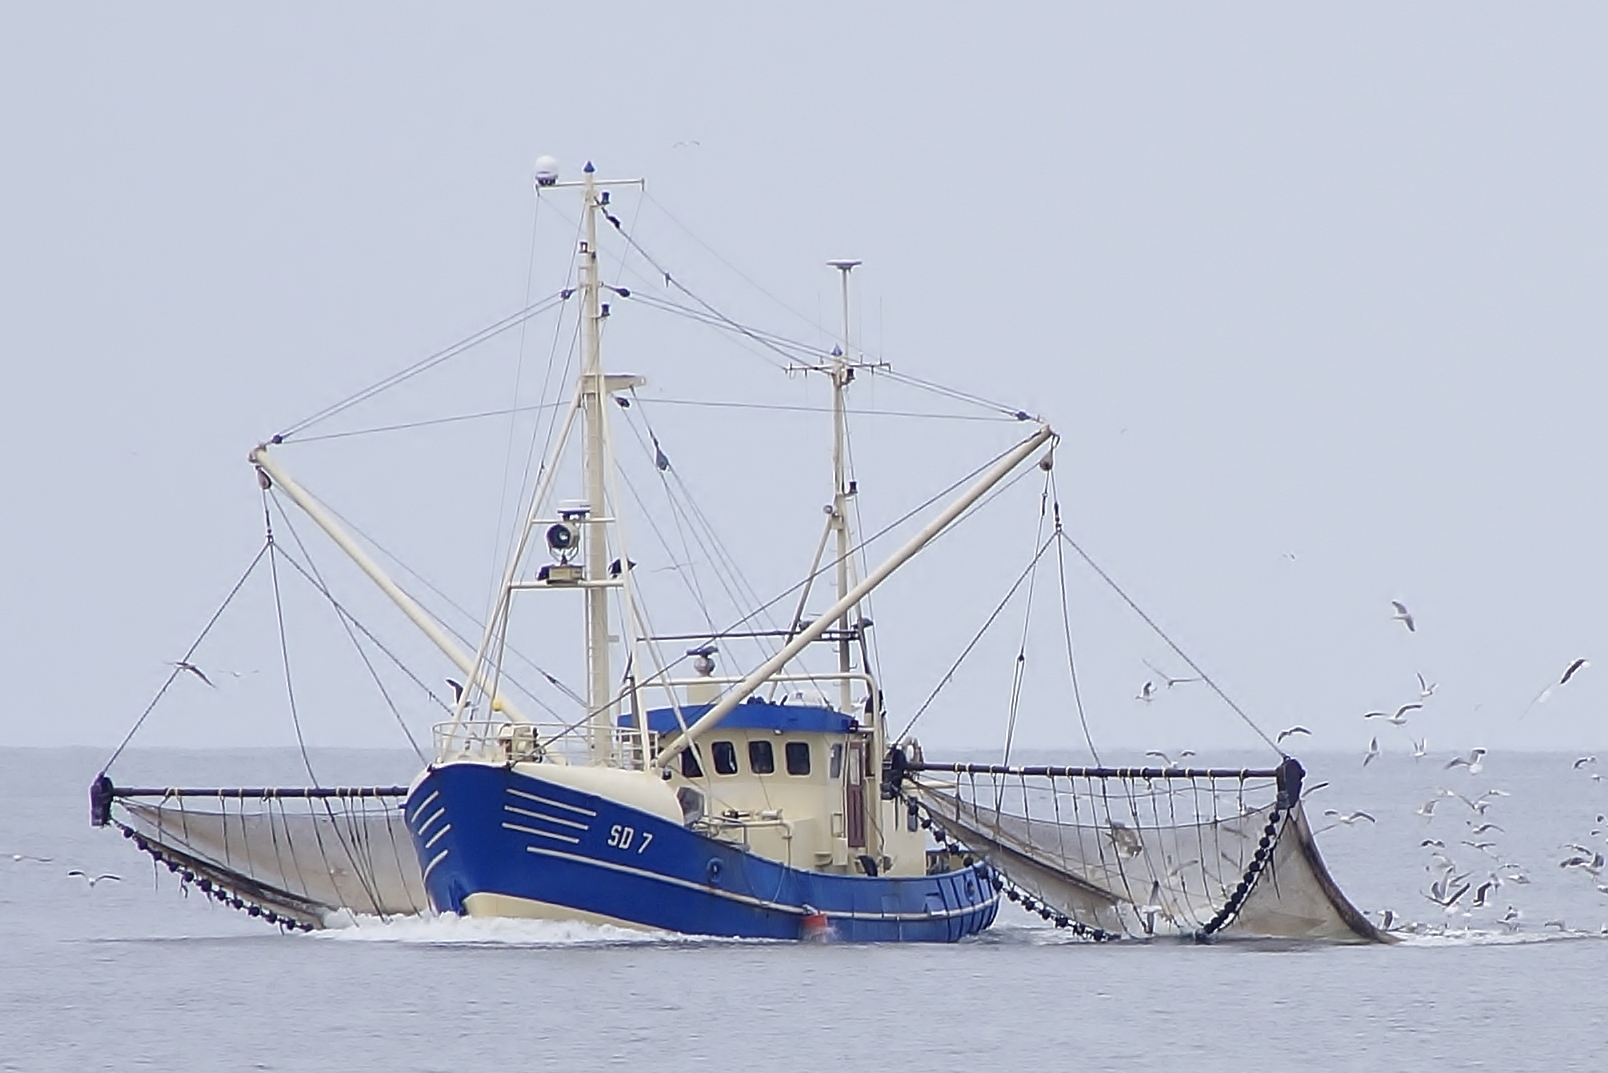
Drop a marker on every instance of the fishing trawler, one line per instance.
(765, 801)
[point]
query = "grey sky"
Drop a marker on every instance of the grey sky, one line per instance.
(1314, 296)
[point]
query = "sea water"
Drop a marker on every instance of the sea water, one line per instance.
(135, 975)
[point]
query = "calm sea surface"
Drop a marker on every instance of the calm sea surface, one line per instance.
(134, 975)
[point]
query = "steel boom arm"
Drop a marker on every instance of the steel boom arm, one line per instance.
(405, 603)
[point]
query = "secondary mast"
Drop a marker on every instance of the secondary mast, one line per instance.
(842, 372)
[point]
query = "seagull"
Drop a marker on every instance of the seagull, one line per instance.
(1560, 925)
(1387, 917)
(1348, 819)
(1432, 841)
(1426, 689)
(1510, 919)
(1167, 679)
(1481, 846)
(457, 690)
(1402, 615)
(1289, 731)
(1420, 747)
(186, 665)
(1481, 892)
(1484, 827)
(1399, 719)
(1440, 897)
(1546, 694)
(19, 858)
(1583, 761)
(690, 143)
(1373, 751)
(92, 880)
(1167, 760)
(1147, 692)
(1427, 809)
(1474, 761)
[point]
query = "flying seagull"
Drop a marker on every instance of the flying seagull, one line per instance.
(1426, 689)
(1147, 692)
(1168, 680)
(1581, 762)
(186, 665)
(1346, 818)
(92, 880)
(1474, 761)
(1399, 719)
(1420, 747)
(1289, 731)
(1373, 751)
(1167, 760)
(1546, 694)
(1404, 616)
(19, 858)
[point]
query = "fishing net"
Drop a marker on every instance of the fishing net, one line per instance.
(292, 856)
(1140, 852)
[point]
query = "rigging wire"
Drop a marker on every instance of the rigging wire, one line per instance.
(1159, 632)
(178, 667)
(967, 651)
(720, 404)
(408, 426)
(472, 340)
(295, 715)
(1027, 622)
(763, 339)
(1066, 628)
(316, 579)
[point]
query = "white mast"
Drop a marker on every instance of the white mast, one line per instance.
(841, 372)
(599, 677)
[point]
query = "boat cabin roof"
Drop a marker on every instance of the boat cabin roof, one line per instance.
(755, 714)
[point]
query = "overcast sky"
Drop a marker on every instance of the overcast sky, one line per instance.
(1314, 294)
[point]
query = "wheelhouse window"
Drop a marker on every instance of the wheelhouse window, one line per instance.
(690, 768)
(761, 757)
(798, 758)
(835, 765)
(725, 754)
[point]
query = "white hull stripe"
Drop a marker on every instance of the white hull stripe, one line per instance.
(425, 804)
(761, 902)
(543, 834)
(437, 859)
(549, 819)
(437, 836)
(434, 816)
(554, 804)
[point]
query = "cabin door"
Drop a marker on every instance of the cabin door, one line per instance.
(854, 794)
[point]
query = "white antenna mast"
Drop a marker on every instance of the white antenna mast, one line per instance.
(842, 372)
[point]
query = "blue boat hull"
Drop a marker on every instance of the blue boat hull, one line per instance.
(493, 836)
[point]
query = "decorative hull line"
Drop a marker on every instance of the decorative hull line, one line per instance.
(522, 843)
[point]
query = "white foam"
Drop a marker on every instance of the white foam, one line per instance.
(449, 929)
(1478, 937)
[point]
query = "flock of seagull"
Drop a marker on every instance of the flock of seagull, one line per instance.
(1453, 888)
